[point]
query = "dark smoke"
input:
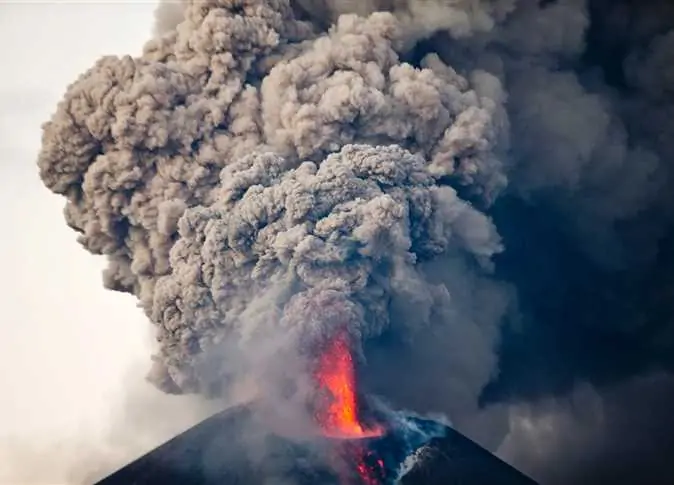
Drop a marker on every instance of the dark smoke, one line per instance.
(478, 190)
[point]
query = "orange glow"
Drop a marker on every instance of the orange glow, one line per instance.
(337, 412)
(369, 473)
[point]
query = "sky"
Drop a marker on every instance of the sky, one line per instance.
(70, 350)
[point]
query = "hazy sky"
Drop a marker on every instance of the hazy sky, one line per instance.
(67, 346)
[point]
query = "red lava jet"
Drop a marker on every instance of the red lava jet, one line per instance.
(338, 413)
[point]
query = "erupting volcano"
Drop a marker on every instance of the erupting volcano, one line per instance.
(337, 410)
(277, 178)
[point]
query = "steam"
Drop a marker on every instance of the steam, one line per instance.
(268, 171)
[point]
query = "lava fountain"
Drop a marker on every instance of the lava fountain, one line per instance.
(337, 412)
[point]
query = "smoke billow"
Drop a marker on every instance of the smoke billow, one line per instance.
(246, 164)
(476, 190)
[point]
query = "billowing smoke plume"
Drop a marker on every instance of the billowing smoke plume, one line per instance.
(246, 160)
(271, 171)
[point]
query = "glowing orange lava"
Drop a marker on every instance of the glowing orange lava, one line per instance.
(369, 471)
(337, 412)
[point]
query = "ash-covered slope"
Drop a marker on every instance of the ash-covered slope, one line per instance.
(227, 448)
(455, 459)
(233, 448)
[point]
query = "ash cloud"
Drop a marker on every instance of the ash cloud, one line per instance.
(246, 159)
(619, 434)
(477, 190)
